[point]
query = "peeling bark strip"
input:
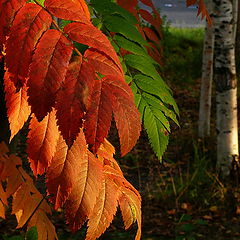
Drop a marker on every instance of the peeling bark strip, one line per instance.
(226, 84)
(206, 82)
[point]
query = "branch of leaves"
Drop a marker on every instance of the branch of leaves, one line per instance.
(154, 103)
(152, 95)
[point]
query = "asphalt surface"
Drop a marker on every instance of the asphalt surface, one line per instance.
(177, 14)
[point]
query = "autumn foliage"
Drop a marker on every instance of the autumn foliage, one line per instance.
(70, 98)
(67, 76)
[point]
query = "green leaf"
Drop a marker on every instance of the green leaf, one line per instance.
(144, 65)
(188, 227)
(133, 47)
(32, 234)
(156, 87)
(130, 45)
(115, 46)
(120, 25)
(154, 101)
(128, 79)
(185, 217)
(106, 7)
(201, 222)
(156, 131)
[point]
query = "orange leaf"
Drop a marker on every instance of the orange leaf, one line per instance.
(125, 112)
(2, 210)
(102, 64)
(45, 228)
(9, 171)
(47, 71)
(28, 204)
(42, 142)
(90, 35)
(105, 154)
(24, 203)
(63, 173)
(29, 24)
(104, 210)
(70, 102)
(129, 199)
(18, 109)
(75, 10)
(98, 117)
(82, 198)
(130, 205)
(112, 94)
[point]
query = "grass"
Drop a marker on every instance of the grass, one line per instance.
(182, 54)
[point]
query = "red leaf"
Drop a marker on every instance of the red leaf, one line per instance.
(18, 109)
(155, 53)
(102, 64)
(47, 71)
(63, 173)
(146, 16)
(29, 24)
(82, 198)
(89, 35)
(112, 94)
(70, 104)
(203, 10)
(148, 3)
(126, 114)
(126, 4)
(191, 2)
(75, 10)
(98, 117)
(42, 142)
(130, 6)
(151, 35)
(6, 17)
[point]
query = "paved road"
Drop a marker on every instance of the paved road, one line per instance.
(178, 14)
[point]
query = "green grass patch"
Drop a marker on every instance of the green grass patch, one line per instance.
(183, 54)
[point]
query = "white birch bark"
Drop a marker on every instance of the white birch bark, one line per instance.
(226, 85)
(206, 81)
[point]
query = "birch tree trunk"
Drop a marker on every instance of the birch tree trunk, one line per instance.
(226, 85)
(206, 82)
